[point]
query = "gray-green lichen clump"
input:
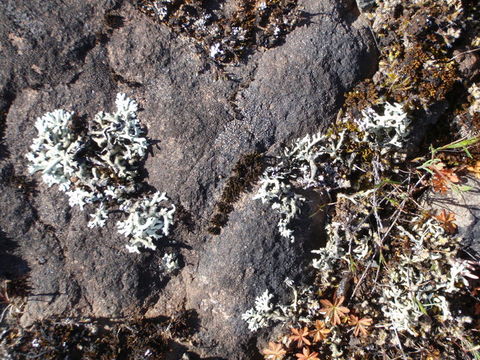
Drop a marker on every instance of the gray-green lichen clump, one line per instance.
(101, 167)
(324, 162)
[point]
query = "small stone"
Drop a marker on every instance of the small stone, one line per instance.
(364, 5)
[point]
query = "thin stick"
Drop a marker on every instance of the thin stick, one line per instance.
(4, 312)
(400, 344)
(465, 52)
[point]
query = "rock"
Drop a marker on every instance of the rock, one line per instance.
(468, 63)
(239, 265)
(465, 207)
(298, 87)
(203, 118)
(364, 5)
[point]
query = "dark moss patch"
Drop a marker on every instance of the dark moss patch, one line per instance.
(228, 35)
(17, 287)
(185, 218)
(114, 21)
(98, 338)
(7, 97)
(245, 174)
(416, 67)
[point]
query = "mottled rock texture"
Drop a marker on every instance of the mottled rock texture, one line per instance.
(69, 54)
(466, 207)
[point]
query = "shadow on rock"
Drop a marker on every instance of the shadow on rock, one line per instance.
(11, 266)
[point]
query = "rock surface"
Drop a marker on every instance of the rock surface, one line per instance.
(204, 119)
(465, 206)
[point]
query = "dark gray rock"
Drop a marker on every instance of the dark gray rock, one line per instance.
(239, 265)
(204, 119)
(299, 86)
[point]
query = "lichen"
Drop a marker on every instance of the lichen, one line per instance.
(54, 150)
(101, 167)
(393, 267)
(298, 167)
(259, 316)
(169, 263)
(148, 220)
(387, 130)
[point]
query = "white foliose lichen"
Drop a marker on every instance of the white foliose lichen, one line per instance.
(100, 167)
(420, 281)
(169, 263)
(329, 255)
(321, 161)
(120, 138)
(120, 146)
(99, 217)
(386, 131)
(474, 91)
(261, 314)
(424, 278)
(298, 168)
(282, 199)
(216, 50)
(54, 151)
(303, 308)
(148, 221)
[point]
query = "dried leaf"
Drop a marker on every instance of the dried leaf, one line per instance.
(320, 332)
(443, 178)
(475, 169)
(360, 325)
(307, 355)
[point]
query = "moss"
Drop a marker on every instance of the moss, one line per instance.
(254, 23)
(364, 95)
(99, 339)
(245, 173)
(214, 230)
(18, 287)
(185, 217)
(219, 219)
(114, 21)
(224, 207)
(416, 66)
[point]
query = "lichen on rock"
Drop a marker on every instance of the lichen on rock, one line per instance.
(100, 167)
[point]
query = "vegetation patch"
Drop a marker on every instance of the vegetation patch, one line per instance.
(393, 281)
(100, 166)
(245, 173)
(90, 339)
(228, 31)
